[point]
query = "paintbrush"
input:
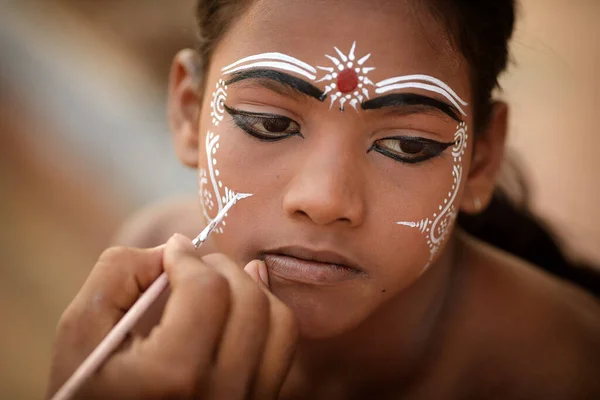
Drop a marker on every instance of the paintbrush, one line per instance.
(131, 317)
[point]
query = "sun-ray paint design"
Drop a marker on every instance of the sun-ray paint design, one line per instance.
(347, 77)
(437, 227)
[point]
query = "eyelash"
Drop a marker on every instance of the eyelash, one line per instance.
(430, 148)
(247, 120)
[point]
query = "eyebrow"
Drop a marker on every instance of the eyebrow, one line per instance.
(412, 100)
(290, 81)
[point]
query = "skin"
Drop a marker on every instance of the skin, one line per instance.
(324, 191)
(477, 324)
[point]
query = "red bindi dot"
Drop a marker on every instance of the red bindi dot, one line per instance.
(347, 81)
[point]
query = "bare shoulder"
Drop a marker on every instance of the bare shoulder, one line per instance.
(534, 332)
(154, 224)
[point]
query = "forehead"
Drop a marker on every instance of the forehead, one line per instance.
(402, 36)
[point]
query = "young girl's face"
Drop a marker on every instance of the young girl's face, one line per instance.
(350, 207)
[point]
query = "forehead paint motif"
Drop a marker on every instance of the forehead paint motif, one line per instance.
(416, 82)
(346, 79)
(216, 195)
(436, 227)
(349, 78)
(272, 61)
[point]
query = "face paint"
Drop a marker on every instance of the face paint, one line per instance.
(216, 195)
(349, 76)
(437, 227)
(346, 78)
(272, 61)
(347, 82)
(416, 82)
(218, 102)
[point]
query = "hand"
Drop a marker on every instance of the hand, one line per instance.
(222, 335)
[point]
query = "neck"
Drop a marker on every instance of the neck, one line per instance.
(393, 343)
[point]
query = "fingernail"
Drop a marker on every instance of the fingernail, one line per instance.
(251, 269)
(263, 273)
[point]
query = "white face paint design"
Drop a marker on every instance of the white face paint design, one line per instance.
(416, 82)
(347, 81)
(437, 227)
(272, 61)
(216, 195)
(218, 102)
(349, 78)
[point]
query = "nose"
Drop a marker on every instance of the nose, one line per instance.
(327, 189)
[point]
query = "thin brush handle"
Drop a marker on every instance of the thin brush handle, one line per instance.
(112, 340)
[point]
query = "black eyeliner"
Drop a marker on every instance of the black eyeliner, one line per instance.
(423, 140)
(438, 148)
(240, 120)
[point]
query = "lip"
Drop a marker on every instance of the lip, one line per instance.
(310, 266)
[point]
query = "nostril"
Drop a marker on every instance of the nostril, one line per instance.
(302, 213)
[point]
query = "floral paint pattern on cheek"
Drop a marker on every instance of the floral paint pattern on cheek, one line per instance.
(436, 228)
(213, 192)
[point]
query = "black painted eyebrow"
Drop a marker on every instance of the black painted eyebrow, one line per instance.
(411, 99)
(297, 84)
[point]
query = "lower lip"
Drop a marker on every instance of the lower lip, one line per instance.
(304, 271)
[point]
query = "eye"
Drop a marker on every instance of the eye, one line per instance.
(266, 127)
(409, 149)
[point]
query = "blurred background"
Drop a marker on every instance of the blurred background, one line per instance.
(84, 142)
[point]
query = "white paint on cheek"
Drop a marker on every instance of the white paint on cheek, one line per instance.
(214, 194)
(437, 227)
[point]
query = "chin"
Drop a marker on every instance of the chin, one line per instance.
(322, 311)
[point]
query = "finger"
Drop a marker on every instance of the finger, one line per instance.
(177, 355)
(281, 342)
(114, 284)
(257, 270)
(245, 334)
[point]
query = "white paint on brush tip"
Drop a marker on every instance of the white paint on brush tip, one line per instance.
(213, 224)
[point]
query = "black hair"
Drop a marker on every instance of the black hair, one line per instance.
(481, 31)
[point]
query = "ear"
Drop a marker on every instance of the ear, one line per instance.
(488, 154)
(184, 105)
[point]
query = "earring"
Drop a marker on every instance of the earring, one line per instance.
(477, 203)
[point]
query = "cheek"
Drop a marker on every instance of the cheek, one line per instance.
(436, 215)
(231, 162)
(216, 180)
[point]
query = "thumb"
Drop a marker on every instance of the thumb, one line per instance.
(257, 270)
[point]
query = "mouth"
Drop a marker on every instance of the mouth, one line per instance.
(303, 265)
